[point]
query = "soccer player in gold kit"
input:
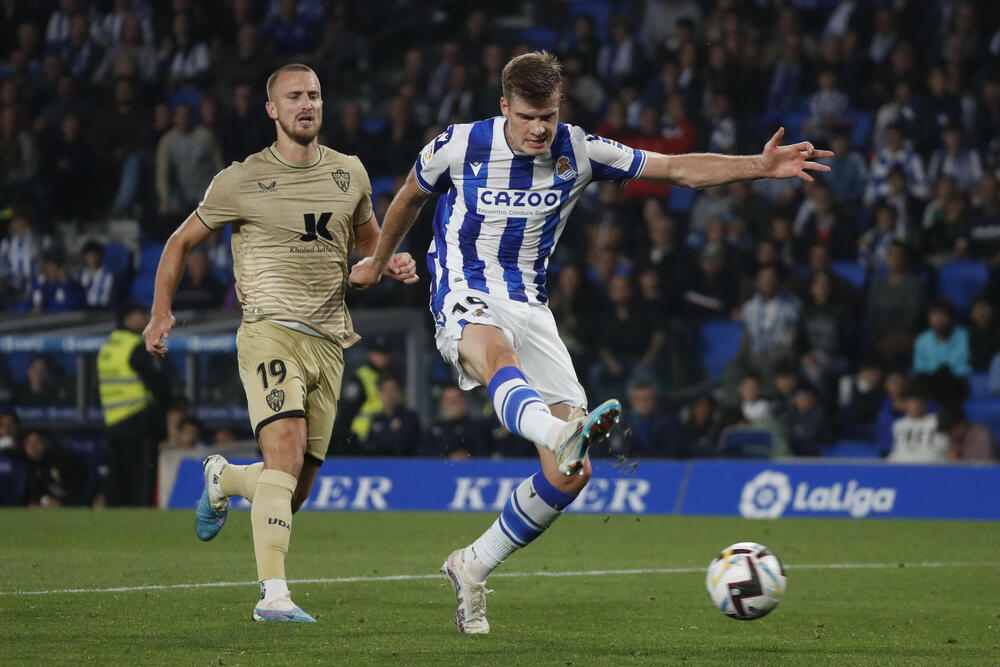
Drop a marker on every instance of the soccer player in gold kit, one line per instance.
(297, 210)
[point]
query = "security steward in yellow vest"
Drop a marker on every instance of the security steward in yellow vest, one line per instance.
(133, 389)
(359, 400)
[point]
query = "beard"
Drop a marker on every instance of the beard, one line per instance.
(302, 135)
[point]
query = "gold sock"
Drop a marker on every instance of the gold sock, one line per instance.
(271, 519)
(240, 480)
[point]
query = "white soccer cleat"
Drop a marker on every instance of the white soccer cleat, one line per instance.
(471, 614)
(578, 435)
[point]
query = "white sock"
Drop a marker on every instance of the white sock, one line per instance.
(533, 507)
(521, 409)
(273, 588)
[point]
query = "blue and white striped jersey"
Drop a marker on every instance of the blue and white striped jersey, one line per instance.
(502, 213)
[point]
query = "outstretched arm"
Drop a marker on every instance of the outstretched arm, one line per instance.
(700, 170)
(168, 274)
(399, 218)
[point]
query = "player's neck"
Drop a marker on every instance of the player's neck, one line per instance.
(296, 153)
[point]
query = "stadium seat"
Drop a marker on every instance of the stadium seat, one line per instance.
(143, 286)
(986, 411)
(961, 282)
(373, 125)
(852, 449)
(852, 273)
(540, 38)
(861, 129)
(680, 199)
(746, 443)
(792, 122)
(382, 185)
(17, 363)
(599, 10)
(720, 341)
(13, 481)
(979, 385)
(117, 259)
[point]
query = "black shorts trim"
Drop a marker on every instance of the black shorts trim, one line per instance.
(281, 415)
(316, 461)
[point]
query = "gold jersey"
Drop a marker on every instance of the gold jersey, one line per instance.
(293, 227)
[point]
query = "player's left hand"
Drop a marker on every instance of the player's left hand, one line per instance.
(403, 268)
(793, 160)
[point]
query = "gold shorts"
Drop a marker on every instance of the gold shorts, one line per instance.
(286, 373)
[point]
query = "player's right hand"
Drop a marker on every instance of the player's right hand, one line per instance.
(364, 275)
(156, 333)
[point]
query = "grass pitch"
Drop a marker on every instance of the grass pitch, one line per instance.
(928, 598)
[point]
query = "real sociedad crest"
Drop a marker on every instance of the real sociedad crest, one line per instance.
(564, 169)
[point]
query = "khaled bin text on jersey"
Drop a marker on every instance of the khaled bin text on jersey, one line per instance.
(501, 213)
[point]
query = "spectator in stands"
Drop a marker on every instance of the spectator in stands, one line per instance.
(942, 352)
(819, 220)
(67, 170)
(700, 420)
(711, 292)
(947, 239)
(97, 281)
(808, 424)
(246, 64)
(400, 139)
(40, 387)
(54, 290)
(934, 212)
(967, 441)
(787, 76)
(621, 58)
(10, 430)
(898, 195)
(915, 436)
(895, 154)
(198, 289)
(661, 21)
(984, 235)
(828, 107)
(133, 46)
(786, 380)
(895, 307)
(458, 102)
(190, 60)
(751, 207)
(663, 251)
(395, 431)
(942, 107)
(19, 255)
(712, 203)
(187, 158)
(862, 399)
(348, 136)
(984, 334)
(189, 433)
(874, 244)
(844, 292)
(246, 129)
(826, 328)
(287, 32)
(649, 430)
(581, 44)
(176, 412)
(119, 134)
(81, 55)
(18, 158)
(224, 435)
(54, 475)
(630, 339)
(455, 434)
(955, 159)
(57, 28)
(723, 128)
(770, 322)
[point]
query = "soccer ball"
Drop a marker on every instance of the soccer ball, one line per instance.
(746, 581)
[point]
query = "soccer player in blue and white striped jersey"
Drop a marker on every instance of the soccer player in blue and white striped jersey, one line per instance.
(508, 185)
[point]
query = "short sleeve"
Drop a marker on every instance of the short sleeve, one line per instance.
(433, 167)
(220, 204)
(613, 161)
(363, 211)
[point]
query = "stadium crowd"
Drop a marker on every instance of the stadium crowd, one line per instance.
(863, 306)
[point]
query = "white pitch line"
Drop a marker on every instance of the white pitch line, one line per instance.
(413, 577)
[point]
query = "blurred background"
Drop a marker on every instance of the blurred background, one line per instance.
(854, 316)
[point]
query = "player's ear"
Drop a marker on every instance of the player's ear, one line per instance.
(271, 111)
(504, 107)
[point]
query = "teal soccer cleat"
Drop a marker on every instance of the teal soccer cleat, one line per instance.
(213, 507)
(281, 610)
(578, 435)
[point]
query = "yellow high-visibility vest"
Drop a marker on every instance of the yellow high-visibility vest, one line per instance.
(123, 393)
(373, 402)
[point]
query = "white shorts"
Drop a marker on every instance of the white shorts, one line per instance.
(529, 327)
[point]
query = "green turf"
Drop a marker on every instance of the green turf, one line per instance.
(903, 615)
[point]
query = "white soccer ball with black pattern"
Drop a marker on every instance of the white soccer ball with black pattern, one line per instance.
(746, 581)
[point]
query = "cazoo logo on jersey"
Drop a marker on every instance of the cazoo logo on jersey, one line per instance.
(768, 494)
(516, 203)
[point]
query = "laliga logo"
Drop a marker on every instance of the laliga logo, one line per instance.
(767, 495)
